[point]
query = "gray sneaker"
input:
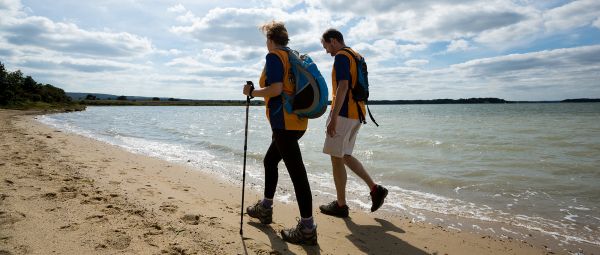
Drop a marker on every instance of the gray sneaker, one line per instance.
(334, 209)
(265, 215)
(299, 235)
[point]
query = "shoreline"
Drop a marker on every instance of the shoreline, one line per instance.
(103, 199)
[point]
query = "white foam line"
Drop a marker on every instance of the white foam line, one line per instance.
(580, 208)
(454, 228)
(509, 231)
(571, 217)
(556, 235)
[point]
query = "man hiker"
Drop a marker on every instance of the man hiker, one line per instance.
(287, 129)
(343, 125)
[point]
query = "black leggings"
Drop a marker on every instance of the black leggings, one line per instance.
(284, 145)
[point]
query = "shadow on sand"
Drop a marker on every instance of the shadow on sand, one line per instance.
(278, 244)
(373, 239)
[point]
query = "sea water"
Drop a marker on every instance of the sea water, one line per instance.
(535, 166)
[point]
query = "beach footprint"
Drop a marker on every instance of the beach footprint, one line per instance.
(191, 219)
(5, 252)
(8, 218)
(169, 208)
(117, 240)
(146, 192)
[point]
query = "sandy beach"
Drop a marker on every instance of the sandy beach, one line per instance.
(62, 193)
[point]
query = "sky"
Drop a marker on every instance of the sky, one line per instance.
(415, 49)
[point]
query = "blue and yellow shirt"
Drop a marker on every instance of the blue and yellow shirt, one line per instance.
(277, 70)
(344, 68)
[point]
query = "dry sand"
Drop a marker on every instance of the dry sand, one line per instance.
(66, 194)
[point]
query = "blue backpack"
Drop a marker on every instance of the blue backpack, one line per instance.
(360, 92)
(310, 98)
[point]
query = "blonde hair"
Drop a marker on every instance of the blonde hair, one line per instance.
(276, 32)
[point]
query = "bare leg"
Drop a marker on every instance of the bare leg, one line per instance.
(339, 178)
(359, 170)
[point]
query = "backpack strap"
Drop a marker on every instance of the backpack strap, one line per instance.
(370, 115)
(361, 115)
(290, 77)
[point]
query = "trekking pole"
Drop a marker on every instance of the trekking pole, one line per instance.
(245, 149)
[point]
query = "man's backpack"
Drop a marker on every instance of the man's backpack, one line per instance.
(360, 92)
(310, 97)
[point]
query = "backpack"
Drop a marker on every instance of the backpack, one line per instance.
(360, 92)
(310, 97)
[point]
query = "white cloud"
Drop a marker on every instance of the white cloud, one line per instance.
(597, 23)
(179, 8)
(542, 23)
(240, 26)
(87, 65)
(579, 58)
(458, 45)
(572, 15)
(187, 17)
(517, 34)
(285, 3)
(197, 66)
(9, 7)
(230, 25)
(443, 21)
(416, 62)
(499, 24)
(384, 49)
(543, 75)
(69, 38)
(375, 7)
(233, 54)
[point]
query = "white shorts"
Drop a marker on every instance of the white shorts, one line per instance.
(345, 137)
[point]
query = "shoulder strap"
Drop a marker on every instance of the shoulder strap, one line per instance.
(371, 115)
(347, 49)
(361, 115)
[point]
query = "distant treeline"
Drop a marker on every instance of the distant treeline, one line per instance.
(173, 102)
(19, 91)
(582, 100)
(487, 100)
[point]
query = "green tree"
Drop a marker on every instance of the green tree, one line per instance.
(19, 91)
(122, 98)
(3, 85)
(29, 84)
(14, 85)
(155, 99)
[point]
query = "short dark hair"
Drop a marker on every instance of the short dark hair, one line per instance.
(276, 32)
(332, 33)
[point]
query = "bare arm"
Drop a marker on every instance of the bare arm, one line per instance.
(273, 90)
(342, 89)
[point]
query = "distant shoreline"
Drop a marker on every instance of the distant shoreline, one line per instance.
(184, 102)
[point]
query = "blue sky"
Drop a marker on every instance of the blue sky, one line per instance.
(516, 50)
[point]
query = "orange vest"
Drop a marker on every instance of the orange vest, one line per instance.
(349, 103)
(275, 110)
